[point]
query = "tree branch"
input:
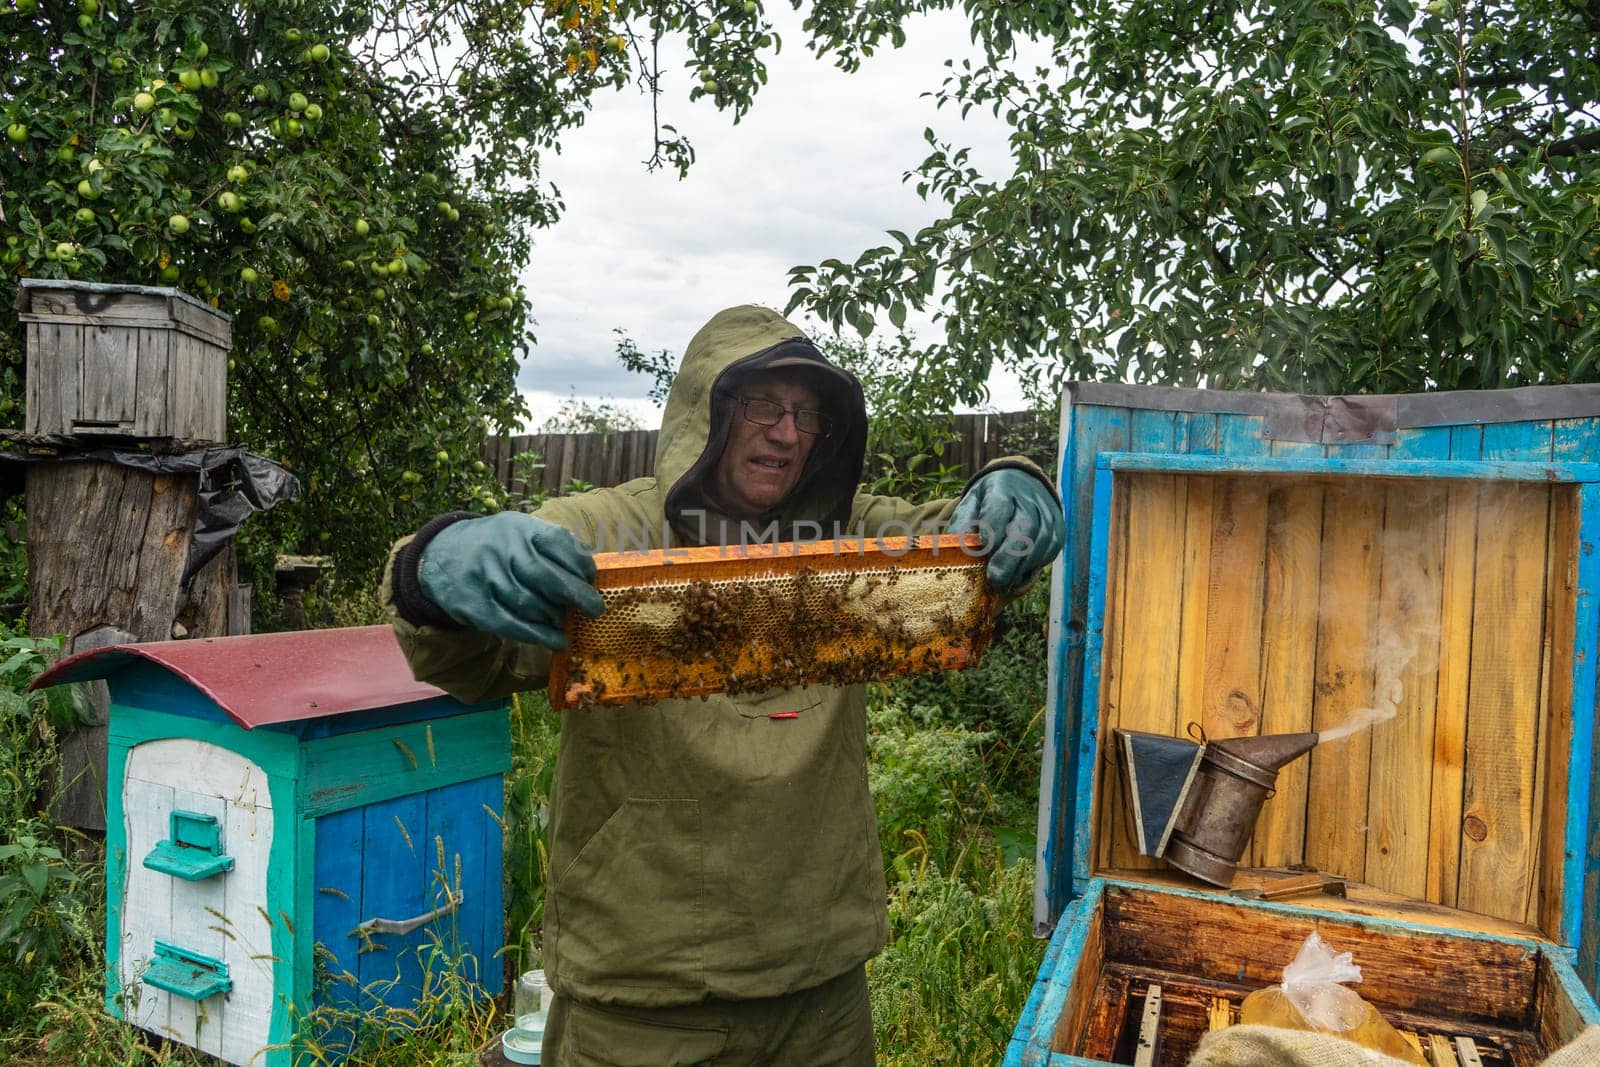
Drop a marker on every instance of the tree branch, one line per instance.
(1574, 146)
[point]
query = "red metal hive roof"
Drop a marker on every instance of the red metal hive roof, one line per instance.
(263, 679)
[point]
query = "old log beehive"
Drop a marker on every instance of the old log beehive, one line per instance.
(123, 361)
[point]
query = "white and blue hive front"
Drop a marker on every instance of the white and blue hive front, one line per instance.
(297, 832)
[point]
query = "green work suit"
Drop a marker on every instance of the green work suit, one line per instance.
(704, 849)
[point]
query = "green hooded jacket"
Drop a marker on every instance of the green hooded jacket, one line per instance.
(703, 848)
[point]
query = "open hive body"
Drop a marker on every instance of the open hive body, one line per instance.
(1236, 568)
(691, 622)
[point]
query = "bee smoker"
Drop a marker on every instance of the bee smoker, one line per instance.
(1196, 805)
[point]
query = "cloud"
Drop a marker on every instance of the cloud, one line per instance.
(814, 171)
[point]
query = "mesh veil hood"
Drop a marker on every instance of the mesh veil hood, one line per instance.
(736, 343)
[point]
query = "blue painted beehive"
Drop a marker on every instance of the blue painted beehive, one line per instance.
(294, 824)
(1419, 571)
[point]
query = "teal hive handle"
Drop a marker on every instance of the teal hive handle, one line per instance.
(193, 851)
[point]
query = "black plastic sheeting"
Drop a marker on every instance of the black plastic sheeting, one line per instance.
(234, 484)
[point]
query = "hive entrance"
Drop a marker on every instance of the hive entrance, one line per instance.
(692, 622)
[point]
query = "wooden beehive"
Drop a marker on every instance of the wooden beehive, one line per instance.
(298, 836)
(1249, 564)
(124, 361)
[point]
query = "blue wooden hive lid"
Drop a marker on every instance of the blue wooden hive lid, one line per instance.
(271, 679)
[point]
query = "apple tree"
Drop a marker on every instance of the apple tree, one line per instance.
(356, 182)
(1321, 195)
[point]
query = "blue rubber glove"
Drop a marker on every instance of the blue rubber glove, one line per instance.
(510, 574)
(1019, 522)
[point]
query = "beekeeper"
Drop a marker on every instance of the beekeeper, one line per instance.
(716, 883)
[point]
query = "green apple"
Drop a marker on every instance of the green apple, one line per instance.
(293, 127)
(237, 173)
(297, 101)
(84, 214)
(89, 7)
(249, 276)
(87, 190)
(291, 35)
(441, 456)
(202, 50)
(374, 321)
(314, 112)
(268, 324)
(397, 266)
(750, 7)
(17, 132)
(189, 79)
(170, 273)
(66, 154)
(208, 78)
(363, 227)
(319, 53)
(66, 249)
(178, 224)
(232, 118)
(26, 7)
(379, 293)
(93, 165)
(85, 23)
(260, 92)
(143, 102)
(230, 202)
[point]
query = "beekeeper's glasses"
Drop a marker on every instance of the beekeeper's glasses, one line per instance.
(770, 413)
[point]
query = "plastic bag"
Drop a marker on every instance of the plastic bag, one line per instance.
(1315, 995)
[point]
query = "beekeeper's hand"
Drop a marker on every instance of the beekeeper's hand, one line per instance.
(1019, 521)
(510, 574)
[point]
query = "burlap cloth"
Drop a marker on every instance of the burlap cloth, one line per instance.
(1268, 1046)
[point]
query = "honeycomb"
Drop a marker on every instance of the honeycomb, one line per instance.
(773, 617)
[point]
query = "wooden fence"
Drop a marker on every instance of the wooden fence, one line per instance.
(596, 459)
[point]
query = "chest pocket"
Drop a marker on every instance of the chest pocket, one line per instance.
(787, 703)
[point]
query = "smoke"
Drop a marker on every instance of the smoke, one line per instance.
(1403, 649)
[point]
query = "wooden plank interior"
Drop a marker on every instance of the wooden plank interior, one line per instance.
(1110, 810)
(1497, 854)
(1556, 1019)
(1231, 690)
(1460, 576)
(1070, 1032)
(1360, 899)
(1351, 532)
(1289, 655)
(1147, 697)
(1490, 982)
(1426, 599)
(1407, 655)
(1544, 907)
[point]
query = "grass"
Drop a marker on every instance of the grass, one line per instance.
(953, 763)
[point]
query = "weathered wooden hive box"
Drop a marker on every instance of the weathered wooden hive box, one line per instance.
(1253, 564)
(124, 361)
(294, 825)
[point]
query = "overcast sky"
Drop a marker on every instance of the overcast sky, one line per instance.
(813, 171)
